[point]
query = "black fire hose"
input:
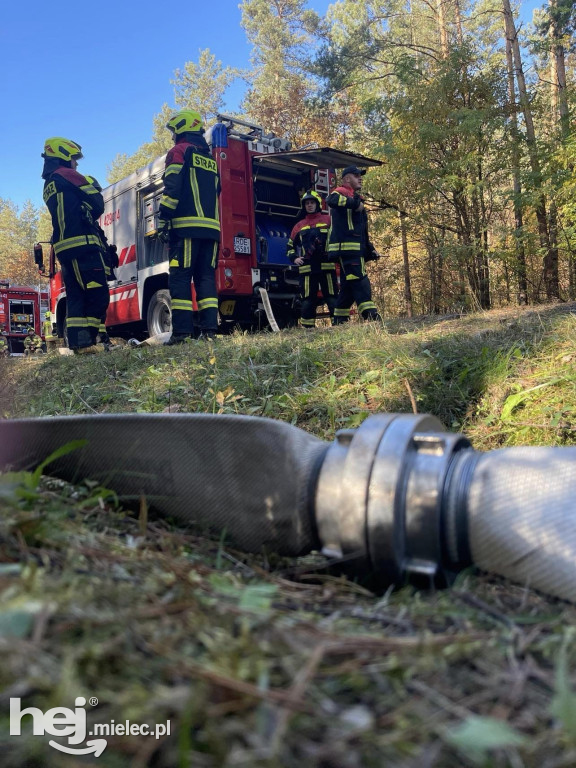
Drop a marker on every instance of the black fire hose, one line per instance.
(397, 499)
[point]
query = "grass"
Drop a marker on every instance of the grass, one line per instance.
(261, 661)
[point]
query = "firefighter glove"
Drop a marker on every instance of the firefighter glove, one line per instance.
(163, 230)
(371, 256)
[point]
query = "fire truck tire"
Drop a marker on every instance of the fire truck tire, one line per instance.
(159, 316)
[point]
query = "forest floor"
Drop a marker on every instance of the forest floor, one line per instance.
(257, 660)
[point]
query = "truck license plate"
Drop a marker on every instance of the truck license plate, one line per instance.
(242, 245)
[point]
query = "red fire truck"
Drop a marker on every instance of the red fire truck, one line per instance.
(21, 307)
(262, 181)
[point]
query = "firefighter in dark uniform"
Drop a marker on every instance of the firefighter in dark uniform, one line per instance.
(349, 243)
(189, 221)
(75, 203)
(307, 249)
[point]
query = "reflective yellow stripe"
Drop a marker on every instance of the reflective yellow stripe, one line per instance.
(60, 215)
(183, 304)
(305, 269)
(75, 242)
(187, 253)
(352, 277)
(93, 284)
(195, 221)
(77, 273)
(168, 202)
(328, 265)
(214, 253)
(94, 322)
(208, 303)
(341, 312)
(366, 305)
(173, 168)
(76, 322)
(306, 287)
(342, 199)
(344, 247)
(196, 192)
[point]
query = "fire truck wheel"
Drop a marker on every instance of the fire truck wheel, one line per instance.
(159, 317)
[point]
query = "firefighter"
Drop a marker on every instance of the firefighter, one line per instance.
(349, 243)
(307, 249)
(75, 203)
(189, 222)
(4, 345)
(47, 332)
(32, 343)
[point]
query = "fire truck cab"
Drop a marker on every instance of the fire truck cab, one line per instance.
(262, 181)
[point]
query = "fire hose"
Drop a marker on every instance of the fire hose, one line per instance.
(395, 500)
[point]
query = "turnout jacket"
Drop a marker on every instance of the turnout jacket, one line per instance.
(349, 231)
(75, 202)
(310, 235)
(191, 189)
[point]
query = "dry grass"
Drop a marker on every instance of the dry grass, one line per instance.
(258, 661)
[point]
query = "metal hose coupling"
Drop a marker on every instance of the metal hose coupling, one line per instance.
(397, 499)
(390, 500)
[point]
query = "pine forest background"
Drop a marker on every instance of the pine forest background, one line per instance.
(470, 111)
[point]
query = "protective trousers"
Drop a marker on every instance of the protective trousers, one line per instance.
(354, 287)
(310, 284)
(87, 297)
(193, 259)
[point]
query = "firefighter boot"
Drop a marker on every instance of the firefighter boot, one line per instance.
(178, 338)
(104, 339)
(94, 349)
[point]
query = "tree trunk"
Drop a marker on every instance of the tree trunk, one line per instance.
(407, 284)
(443, 31)
(483, 249)
(559, 99)
(550, 261)
(521, 270)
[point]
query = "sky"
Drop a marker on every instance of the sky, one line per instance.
(98, 73)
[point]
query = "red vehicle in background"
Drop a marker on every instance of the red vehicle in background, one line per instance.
(262, 182)
(21, 307)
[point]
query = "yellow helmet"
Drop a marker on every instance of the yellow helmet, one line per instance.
(184, 122)
(312, 195)
(64, 149)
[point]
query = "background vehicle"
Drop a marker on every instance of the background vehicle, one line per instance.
(21, 307)
(262, 182)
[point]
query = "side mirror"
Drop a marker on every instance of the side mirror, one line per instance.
(39, 257)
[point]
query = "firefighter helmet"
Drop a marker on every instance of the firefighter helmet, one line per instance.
(312, 195)
(63, 149)
(184, 122)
